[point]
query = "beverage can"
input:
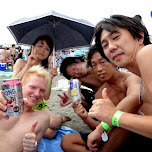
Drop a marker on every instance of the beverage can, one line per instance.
(12, 92)
(75, 90)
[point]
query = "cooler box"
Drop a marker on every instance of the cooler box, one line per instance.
(2, 66)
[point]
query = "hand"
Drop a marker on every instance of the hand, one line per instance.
(80, 110)
(53, 72)
(3, 107)
(33, 58)
(65, 100)
(103, 109)
(30, 139)
(94, 139)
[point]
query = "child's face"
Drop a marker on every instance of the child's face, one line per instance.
(77, 70)
(34, 89)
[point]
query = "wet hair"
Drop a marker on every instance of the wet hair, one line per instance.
(92, 50)
(67, 62)
(49, 42)
(133, 25)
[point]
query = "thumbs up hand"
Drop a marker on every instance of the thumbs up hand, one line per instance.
(103, 109)
(29, 141)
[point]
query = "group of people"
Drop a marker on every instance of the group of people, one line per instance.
(118, 109)
(10, 57)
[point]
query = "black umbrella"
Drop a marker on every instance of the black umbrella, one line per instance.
(66, 32)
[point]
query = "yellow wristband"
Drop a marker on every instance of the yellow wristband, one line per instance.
(50, 84)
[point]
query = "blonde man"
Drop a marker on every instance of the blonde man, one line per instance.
(24, 132)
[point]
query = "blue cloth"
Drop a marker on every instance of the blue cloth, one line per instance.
(53, 145)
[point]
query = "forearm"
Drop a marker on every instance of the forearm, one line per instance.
(91, 122)
(129, 104)
(137, 123)
(48, 90)
(69, 92)
(20, 74)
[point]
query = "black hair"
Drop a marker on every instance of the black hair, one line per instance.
(92, 50)
(49, 42)
(133, 25)
(69, 61)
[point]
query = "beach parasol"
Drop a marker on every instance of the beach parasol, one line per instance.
(67, 32)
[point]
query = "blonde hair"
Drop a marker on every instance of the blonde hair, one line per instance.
(38, 71)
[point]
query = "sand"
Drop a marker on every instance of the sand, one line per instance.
(76, 123)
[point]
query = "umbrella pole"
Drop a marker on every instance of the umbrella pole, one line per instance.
(53, 57)
(54, 45)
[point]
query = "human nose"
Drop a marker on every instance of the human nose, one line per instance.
(76, 71)
(112, 46)
(99, 68)
(37, 92)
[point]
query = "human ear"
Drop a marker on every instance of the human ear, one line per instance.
(77, 60)
(141, 40)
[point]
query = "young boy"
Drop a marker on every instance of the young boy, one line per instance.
(22, 132)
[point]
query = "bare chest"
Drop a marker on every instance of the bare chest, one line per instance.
(12, 133)
(116, 94)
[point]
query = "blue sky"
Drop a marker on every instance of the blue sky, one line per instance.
(93, 11)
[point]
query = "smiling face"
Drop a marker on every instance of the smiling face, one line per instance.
(120, 47)
(41, 49)
(101, 67)
(34, 89)
(77, 70)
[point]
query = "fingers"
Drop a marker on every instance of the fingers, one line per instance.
(54, 71)
(62, 97)
(25, 101)
(33, 127)
(104, 94)
(29, 140)
(65, 95)
(74, 104)
(3, 107)
(93, 146)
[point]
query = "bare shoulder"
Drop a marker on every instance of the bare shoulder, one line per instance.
(131, 78)
(20, 63)
(144, 53)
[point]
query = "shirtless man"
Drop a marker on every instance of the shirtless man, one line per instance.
(20, 133)
(5, 58)
(76, 67)
(13, 53)
(125, 42)
(123, 90)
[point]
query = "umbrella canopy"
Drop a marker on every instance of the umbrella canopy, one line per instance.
(66, 32)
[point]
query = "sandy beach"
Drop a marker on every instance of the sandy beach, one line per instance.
(76, 123)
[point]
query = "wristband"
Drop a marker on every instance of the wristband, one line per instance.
(99, 130)
(116, 117)
(50, 84)
(105, 126)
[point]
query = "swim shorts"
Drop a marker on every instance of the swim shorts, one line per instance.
(89, 96)
(4, 61)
